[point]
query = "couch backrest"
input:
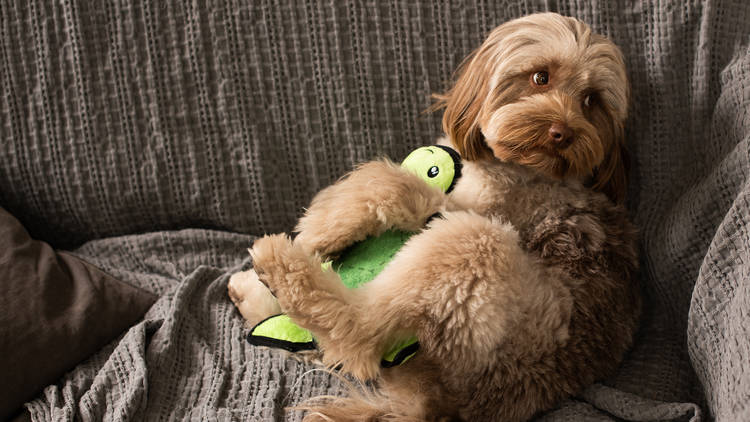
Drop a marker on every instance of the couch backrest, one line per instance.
(120, 118)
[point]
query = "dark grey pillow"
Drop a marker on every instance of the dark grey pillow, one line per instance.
(55, 310)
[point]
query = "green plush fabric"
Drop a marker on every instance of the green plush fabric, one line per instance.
(365, 260)
(280, 331)
(283, 324)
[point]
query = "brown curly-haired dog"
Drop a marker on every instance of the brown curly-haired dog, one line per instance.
(522, 292)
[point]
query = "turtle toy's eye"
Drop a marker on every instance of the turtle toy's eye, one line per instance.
(433, 171)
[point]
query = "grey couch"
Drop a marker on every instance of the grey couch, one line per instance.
(155, 140)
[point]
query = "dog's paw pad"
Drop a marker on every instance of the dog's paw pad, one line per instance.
(251, 297)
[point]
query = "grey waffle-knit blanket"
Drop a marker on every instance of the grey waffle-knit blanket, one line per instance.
(124, 122)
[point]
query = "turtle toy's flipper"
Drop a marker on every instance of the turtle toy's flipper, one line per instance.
(281, 332)
(400, 352)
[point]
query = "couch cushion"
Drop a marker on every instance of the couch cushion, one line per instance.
(56, 311)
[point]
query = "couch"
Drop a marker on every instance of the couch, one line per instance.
(154, 141)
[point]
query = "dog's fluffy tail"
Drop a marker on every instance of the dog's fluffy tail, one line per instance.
(363, 403)
(345, 409)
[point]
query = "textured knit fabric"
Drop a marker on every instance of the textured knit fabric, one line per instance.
(123, 118)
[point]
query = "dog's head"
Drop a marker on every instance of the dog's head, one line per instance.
(545, 92)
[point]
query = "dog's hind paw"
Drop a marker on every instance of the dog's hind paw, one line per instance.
(287, 270)
(254, 301)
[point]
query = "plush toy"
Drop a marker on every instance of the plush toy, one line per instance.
(438, 166)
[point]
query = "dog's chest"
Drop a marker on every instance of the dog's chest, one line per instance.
(504, 191)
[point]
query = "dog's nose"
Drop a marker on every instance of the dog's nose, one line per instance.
(560, 134)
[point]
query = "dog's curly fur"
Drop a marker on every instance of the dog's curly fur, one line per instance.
(522, 292)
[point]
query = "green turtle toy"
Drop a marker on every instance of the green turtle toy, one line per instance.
(437, 165)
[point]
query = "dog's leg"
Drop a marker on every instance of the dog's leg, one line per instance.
(316, 299)
(464, 286)
(375, 197)
(460, 286)
(342, 214)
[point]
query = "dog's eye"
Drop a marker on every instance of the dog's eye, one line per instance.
(433, 171)
(587, 100)
(540, 78)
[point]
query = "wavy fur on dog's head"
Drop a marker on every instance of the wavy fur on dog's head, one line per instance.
(545, 92)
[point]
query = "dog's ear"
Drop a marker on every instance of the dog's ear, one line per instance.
(611, 177)
(463, 105)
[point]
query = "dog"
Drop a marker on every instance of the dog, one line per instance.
(522, 292)
(545, 92)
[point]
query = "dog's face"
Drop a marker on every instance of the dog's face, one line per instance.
(545, 92)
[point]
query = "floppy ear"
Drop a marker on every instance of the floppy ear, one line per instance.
(611, 177)
(463, 103)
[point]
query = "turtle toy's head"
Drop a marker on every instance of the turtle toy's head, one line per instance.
(438, 165)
